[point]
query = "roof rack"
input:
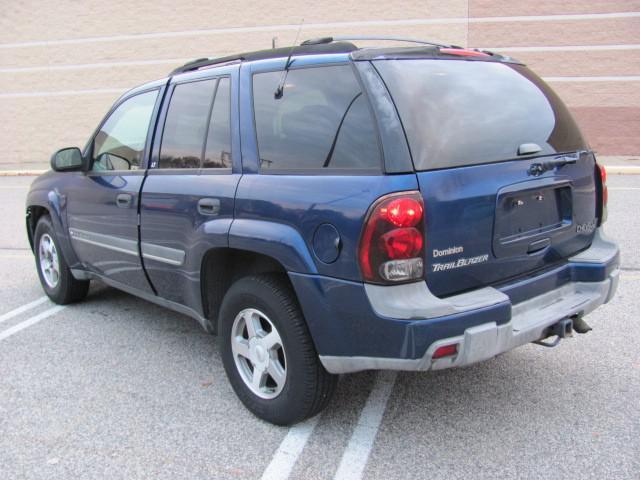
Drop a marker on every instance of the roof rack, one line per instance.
(205, 62)
(334, 46)
(324, 40)
(308, 47)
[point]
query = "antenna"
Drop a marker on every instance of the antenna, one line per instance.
(280, 90)
(273, 42)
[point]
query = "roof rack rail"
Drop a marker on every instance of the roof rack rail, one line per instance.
(316, 41)
(205, 62)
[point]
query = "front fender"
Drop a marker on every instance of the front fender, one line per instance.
(55, 203)
(277, 240)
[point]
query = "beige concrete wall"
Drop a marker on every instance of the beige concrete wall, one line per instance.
(63, 63)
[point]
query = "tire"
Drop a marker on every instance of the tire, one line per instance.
(60, 287)
(269, 304)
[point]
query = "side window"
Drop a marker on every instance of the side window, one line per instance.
(218, 149)
(321, 121)
(186, 125)
(119, 145)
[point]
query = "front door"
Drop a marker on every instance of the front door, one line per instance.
(102, 207)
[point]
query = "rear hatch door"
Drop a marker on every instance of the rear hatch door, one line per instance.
(507, 179)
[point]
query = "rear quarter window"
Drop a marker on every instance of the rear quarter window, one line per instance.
(458, 113)
(321, 122)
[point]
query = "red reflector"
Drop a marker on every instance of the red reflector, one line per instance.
(603, 174)
(445, 351)
(402, 243)
(403, 212)
(463, 53)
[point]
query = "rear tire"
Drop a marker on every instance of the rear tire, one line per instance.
(54, 273)
(263, 331)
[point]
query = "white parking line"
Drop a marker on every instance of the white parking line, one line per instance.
(22, 309)
(31, 321)
(355, 456)
(289, 450)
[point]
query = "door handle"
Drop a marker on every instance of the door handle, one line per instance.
(123, 200)
(538, 245)
(209, 206)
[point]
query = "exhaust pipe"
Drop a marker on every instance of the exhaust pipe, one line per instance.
(580, 326)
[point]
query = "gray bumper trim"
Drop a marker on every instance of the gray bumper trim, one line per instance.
(529, 320)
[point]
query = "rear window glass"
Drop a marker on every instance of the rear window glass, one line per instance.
(218, 149)
(459, 113)
(322, 121)
(186, 125)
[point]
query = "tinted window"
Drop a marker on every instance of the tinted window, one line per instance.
(119, 145)
(218, 149)
(186, 125)
(321, 121)
(463, 112)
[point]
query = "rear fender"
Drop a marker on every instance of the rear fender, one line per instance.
(276, 240)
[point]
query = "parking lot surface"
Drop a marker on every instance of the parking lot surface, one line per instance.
(115, 387)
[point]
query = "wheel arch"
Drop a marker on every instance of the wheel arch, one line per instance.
(53, 204)
(33, 214)
(222, 267)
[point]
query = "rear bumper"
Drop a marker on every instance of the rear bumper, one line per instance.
(361, 327)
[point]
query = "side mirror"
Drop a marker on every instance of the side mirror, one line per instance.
(67, 160)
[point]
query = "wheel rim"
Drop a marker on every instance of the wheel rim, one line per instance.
(49, 262)
(258, 353)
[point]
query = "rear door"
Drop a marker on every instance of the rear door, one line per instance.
(102, 205)
(507, 179)
(188, 196)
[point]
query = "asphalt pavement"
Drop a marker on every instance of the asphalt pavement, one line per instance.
(115, 387)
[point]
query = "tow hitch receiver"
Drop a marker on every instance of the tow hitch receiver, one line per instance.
(562, 329)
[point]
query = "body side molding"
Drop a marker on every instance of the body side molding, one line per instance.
(171, 256)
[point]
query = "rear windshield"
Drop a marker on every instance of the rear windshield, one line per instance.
(458, 113)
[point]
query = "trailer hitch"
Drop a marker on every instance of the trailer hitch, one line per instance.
(560, 330)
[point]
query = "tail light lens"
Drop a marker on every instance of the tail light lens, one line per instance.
(604, 193)
(391, 247)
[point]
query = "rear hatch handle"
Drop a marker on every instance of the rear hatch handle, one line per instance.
(560, 161)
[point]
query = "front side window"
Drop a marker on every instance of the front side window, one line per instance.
(119, 145)
(322, 121)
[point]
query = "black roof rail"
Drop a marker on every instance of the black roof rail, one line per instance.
(204, 62)
(324, 40)
(309, 49)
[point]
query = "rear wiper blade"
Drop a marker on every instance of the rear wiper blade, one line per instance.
(560, 161)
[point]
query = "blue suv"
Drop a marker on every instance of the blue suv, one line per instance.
(328, 209)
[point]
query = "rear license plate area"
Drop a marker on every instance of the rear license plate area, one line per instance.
(527, 219)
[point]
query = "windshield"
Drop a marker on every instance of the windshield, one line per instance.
(459, 113)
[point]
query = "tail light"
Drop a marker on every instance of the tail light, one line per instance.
(391, 247)
(604, 193)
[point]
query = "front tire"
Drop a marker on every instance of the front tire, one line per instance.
(55, 276)
(268, 353)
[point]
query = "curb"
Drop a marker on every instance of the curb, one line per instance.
(20, 173)
(622, 169)
(611, 169)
